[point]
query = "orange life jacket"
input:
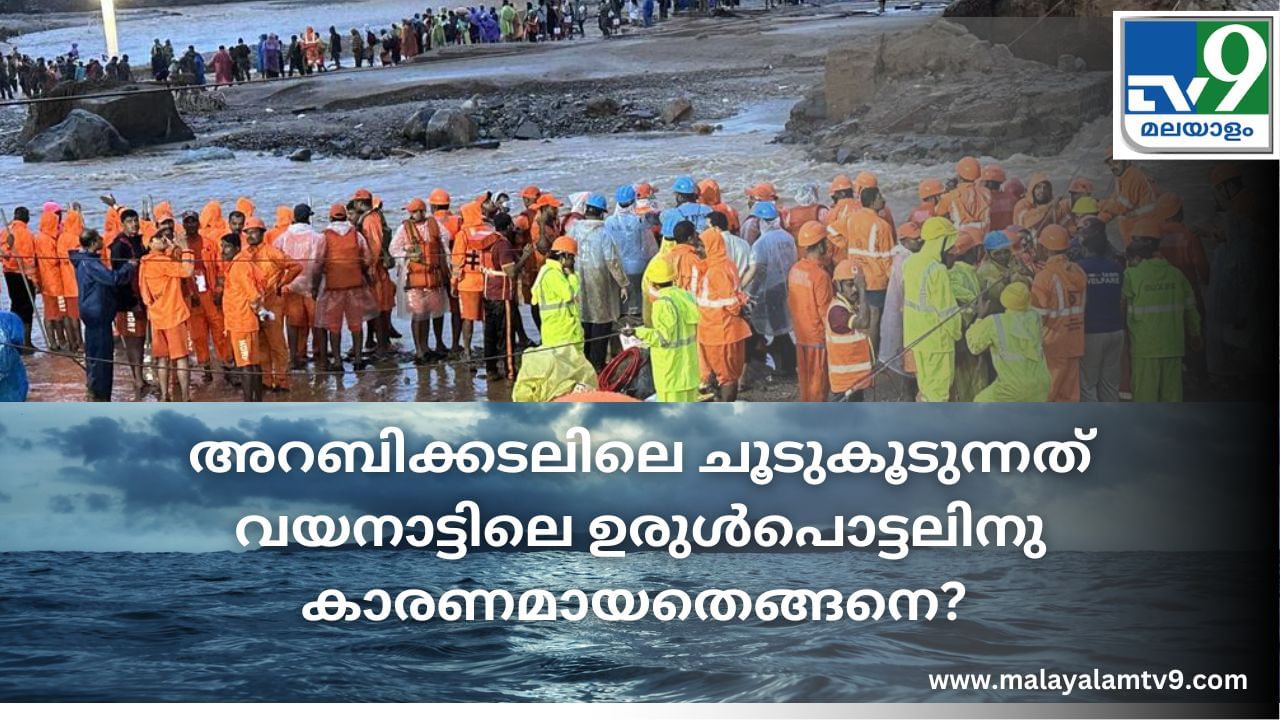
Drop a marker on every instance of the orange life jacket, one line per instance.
(850, 356)
(429, 272)
(1002, 206)
(798, 216)
(342, 260)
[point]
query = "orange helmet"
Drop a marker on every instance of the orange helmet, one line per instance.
(415, 205)
(1167, 205)
(968, 239)
(1148, 226)
(1055, 237)
(254, 223)
(764, 191)
(842, 182)
(847, 270)
(337, 211)
(864, 180)
(565, 244)
(811, 233)
(909, 230)
(530, 192)
(993, 173)
(439, 197)
(1080, 185)
(644, 191)
(1223, 172)
(968, 169)
(363, 194)
(547, 200)
(930, 187)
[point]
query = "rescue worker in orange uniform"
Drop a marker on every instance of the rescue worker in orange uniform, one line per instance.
(1038, 209)
(870, 241)
(1002, 203)
(1058, 295)
(867, 179)
(709, 194)
(204, 300)
(843, 205)
(450, 226)
(277, 271)
(969, 204)
(722, 330)
(469, 247)
(18, 255)
(418, 242)
(160, 279)
(300, 241)
(253, 308)
(526, 268)
(806, 208)
(763, 192)
(49, 275)
(850, 353)
(808, 295)
(284, 218)
(341, 284)
(930, 193)
(1134, 195)
(69, 242)
(683, 256)
(372, 224)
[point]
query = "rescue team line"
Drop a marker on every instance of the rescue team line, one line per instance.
(619, 605)
(454, 535)
(578, 453)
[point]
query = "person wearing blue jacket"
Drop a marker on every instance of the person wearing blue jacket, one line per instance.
(97, 284)
(687, 205)
(13, 374)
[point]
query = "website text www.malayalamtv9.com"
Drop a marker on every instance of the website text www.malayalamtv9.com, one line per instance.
(1066, 683)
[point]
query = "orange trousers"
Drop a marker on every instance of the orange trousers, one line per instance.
(1064, 378)
(275, 352)
(206, 326)
(811, 363)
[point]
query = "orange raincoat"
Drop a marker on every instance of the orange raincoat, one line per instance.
(722, 331)
(1058, 295)
(808, 295)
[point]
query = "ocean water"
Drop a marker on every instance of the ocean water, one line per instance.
(228, 627)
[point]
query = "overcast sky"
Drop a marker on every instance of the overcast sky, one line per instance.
(117, 477)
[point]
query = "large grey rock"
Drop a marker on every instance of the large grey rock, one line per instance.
(677, 110)
(142, 119)
(415, 128)
(449, 127)
(527, 130)
(80, 136)
(301, 155)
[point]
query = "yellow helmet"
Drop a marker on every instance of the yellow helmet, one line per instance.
(936, 228)
(661, 272)
(1015, 296)
(1085, 206)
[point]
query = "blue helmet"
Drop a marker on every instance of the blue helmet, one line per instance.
(684, 185)
(669, 218)
(598, 202)
(765, 210)
(996, 240)
(625, 195)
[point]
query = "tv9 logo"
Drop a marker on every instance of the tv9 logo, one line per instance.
(1194, 85)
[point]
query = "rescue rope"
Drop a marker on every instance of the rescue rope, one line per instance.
(77, 358)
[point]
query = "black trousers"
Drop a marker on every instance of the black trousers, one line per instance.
(20, 294)
(497, 333)
(98, 354)
(596, 345)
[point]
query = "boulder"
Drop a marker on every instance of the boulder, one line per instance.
(142, 119)
(415, 128)
(527, 130)
(448, 127)
(677, 110)
(1070, 63)
(601, 106)
(301, 155)
(204, 154)
(80, 136)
